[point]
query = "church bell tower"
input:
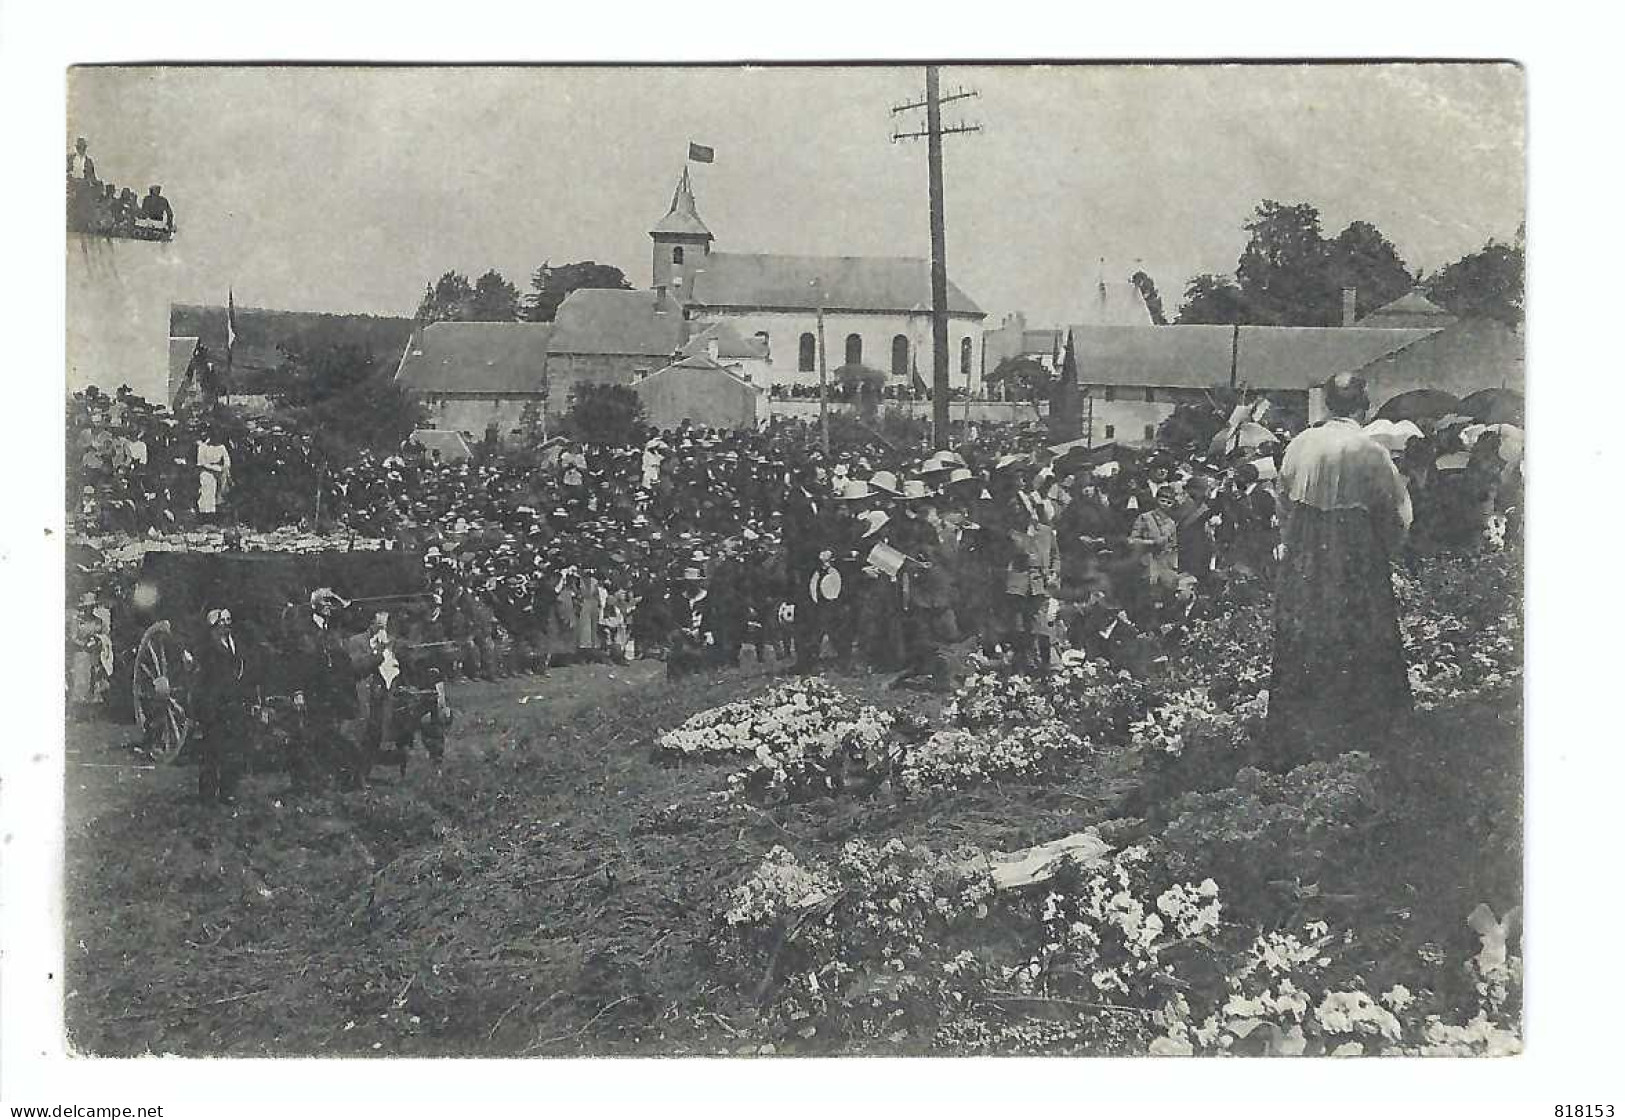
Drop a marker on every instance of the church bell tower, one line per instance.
(681, 244)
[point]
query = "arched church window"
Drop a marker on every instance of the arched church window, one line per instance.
(677, 255)
(854, 349)
(964, 355)
(809, 353)
(899, 356)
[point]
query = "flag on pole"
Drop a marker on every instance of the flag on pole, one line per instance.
(700, 153)
(231, 326)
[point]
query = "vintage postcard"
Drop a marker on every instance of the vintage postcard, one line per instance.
(604, 561)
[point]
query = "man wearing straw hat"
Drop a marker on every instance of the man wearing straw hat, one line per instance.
(879, 596)
(1030, 579)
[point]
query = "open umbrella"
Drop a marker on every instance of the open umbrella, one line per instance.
(1510, 446)
(1381, 432)
(1452, 420)
(1420, 405)
(1494, 406)
(1248, 437)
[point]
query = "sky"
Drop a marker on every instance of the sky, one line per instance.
(347, 189)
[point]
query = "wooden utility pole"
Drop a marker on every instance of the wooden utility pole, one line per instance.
(823, 373)
(933, 133)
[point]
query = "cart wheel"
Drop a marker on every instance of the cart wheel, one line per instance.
(155, 682)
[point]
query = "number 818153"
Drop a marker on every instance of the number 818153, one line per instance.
(1583, 1111)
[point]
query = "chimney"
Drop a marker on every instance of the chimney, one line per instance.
(1348, 306)
(712, 351)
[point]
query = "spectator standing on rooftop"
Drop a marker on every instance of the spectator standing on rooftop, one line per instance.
(155, 208)
(80, 165)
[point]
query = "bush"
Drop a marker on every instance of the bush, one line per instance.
(1290, 829)
(611, 414)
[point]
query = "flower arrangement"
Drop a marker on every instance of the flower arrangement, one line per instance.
(780, 887)
(892, 943)
(1095, 701)
(1461, 620)
(1103, 937)
(858, 946)
(1184, 716)
(820, 760)
(779, 718)
(1287, 995)
(955, 759)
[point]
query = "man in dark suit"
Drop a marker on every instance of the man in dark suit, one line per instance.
(929, 596)
(222, 697)
(326, 696)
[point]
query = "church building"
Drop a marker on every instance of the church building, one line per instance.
(713, 332)
(877, 310)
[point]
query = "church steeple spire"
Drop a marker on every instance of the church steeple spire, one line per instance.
(684, 215)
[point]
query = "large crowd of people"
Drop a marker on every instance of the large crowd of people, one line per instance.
(848, 392)
(701, 546)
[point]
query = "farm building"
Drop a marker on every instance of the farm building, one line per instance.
(701, 390)
(1124, 381)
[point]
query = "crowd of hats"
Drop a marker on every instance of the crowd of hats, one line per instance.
(653, 513)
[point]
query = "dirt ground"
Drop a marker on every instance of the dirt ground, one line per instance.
(550, 890)
(102, 771)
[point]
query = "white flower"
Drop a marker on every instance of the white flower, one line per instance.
(1398, 997)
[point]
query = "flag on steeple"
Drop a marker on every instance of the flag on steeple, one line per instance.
(700, 153)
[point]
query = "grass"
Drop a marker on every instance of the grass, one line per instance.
(552, 890)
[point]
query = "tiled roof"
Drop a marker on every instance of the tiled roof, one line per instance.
(701, 363)
(773, 280)
(477, 358)
(730, 343)
(1198, 357)
(614, 321)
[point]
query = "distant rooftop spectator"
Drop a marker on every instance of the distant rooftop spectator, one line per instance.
(102, 208)
(155, 207)
(80, 165)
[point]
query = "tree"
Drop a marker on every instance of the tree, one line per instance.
(1025, 378)
(347, 399)
(448, 299)
(549, 286)
(1485, 284)
(494, 300)
(1153, 300)
(1284, 270)
(1211, 298)
(1193, 424)
(1289, 275)
(315, 373)
(1363, 259)
(611, 414)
